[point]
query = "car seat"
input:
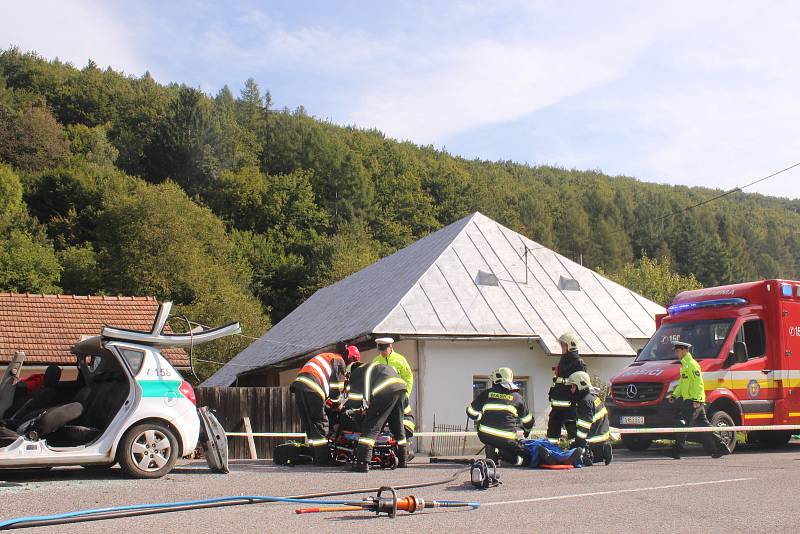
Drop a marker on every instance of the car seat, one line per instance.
(42, 398)
(88, 415)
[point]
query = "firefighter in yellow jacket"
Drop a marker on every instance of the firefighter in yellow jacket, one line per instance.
(688, 399)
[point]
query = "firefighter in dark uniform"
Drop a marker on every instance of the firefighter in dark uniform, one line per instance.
(689, 398)
(593, 431)
(378, 391)
(319, 382)
(499, 412)
(562, 409)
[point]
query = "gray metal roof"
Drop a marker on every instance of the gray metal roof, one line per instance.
(430, 288)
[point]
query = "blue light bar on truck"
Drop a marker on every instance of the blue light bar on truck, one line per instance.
(688, 306)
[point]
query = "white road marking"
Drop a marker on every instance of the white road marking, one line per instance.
(612, 492)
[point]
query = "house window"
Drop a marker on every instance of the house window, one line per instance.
(480, 383)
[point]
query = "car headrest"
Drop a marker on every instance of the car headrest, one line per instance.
(51, 376)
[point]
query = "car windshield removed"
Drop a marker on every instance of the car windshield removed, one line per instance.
(706, 338)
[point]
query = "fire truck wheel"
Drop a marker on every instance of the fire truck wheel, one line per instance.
(636, 443)
(721, 418)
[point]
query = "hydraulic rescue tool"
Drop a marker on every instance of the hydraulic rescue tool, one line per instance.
(389, 505)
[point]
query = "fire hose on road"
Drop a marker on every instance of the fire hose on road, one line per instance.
(378, 504)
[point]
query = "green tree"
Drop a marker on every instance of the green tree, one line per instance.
(653, 279)
(11, 205)
(80, 274)
(27, 265)
(158, 242)
(92, 144)
(31, 139)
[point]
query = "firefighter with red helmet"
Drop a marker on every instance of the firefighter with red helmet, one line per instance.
(319, 384)
(499, 412)
(378, 391)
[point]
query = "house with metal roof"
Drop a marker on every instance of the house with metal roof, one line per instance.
(461, 302)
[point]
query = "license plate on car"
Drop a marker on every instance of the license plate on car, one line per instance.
(631, 420)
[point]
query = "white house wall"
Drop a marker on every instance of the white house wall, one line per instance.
(447, 369)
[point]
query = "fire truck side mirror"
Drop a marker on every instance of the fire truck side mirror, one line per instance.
(737, 355)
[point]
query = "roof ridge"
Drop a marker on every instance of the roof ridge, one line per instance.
(78, 297)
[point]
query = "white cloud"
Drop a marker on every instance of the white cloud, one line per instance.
(73, 31)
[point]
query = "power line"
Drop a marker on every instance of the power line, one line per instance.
(726, 193)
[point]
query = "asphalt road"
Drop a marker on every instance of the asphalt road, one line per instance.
(752, 490)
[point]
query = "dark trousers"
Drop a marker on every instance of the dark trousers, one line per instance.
(562, 417)
(382, 409)
(689, 413)
(408, 419)
(311, 409)
(508, 450)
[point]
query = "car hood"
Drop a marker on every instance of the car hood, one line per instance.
(659, 371)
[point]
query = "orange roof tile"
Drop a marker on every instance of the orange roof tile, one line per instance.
(46, 326)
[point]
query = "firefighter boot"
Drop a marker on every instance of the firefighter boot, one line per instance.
(402, 455)
(410, 451)
(361, 467)
(674, 452)
(587, 459)
(608, 453)
(322, 456)
(493, 454)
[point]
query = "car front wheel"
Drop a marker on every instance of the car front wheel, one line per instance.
(148, 450)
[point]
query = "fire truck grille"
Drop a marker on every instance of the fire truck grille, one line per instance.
(637, 391)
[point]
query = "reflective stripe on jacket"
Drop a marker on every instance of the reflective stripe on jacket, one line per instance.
(592, 423)
(372, 380)
(561, 394)
(500, 412)
(324, 373)
(690, 384)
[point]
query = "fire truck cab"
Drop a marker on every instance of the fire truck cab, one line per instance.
(746, 338)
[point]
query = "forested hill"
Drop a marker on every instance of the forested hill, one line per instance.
(236, 210)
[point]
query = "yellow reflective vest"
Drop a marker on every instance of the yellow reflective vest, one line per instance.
(400, 364)
(690, 385)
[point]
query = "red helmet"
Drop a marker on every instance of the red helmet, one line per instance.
(353, 355)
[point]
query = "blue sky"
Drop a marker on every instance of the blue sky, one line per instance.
(697, 93)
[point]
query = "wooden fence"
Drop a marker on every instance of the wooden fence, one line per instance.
(269, 410)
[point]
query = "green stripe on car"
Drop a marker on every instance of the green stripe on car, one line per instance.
(160, 388)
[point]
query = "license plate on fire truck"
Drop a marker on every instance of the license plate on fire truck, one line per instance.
(631, 420)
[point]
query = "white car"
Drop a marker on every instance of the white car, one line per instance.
(129, 406)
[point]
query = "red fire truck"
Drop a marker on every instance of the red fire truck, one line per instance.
(746, 338)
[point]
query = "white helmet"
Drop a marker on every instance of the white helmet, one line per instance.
(580, 379)
(569, 339)
(503, 374)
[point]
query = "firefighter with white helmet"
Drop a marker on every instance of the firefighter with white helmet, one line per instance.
(499, 412)
(562, 409)
(592, 432)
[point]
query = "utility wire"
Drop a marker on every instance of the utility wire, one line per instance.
(726, 193)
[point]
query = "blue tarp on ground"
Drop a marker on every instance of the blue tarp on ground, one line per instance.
(555, 451)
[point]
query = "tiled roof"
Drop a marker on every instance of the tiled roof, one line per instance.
(46, 326)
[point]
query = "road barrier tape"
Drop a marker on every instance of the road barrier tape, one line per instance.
(266, 434)
(542, 432)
